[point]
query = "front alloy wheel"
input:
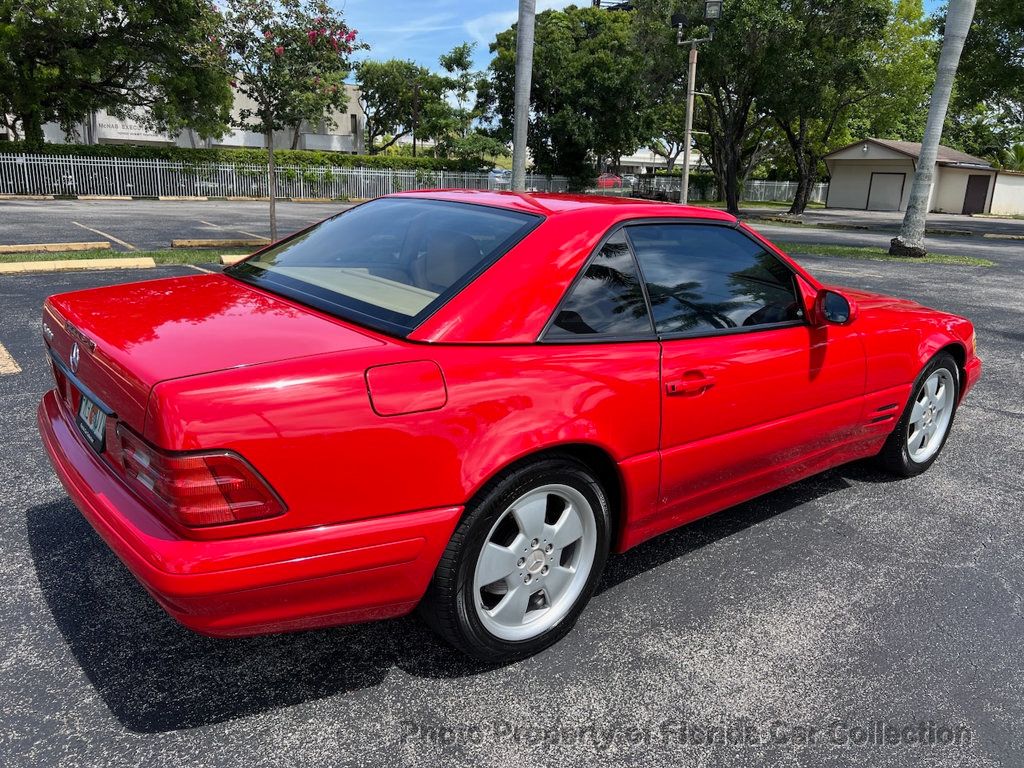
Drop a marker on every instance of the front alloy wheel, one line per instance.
(924, 426)
(523, 562)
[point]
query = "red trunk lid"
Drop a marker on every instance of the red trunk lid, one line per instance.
(132, 336)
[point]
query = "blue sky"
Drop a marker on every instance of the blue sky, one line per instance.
(423, 30)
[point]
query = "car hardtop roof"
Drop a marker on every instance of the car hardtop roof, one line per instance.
(557, 203)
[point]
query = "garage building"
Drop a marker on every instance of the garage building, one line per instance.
(877, 174)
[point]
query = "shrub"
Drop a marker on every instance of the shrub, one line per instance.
(247, 156)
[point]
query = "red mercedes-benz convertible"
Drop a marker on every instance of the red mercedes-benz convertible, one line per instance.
(464, 401)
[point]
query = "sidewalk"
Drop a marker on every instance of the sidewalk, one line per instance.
(890, 221)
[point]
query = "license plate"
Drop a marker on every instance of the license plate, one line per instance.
(92, 422)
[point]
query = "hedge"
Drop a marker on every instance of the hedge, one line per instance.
(293, 157)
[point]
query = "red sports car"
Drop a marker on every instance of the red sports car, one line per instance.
(464, 401)
(609, 181)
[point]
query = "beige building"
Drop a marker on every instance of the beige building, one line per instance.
(876, 175)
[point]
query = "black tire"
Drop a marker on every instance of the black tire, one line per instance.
(895, 456)
(448, 607)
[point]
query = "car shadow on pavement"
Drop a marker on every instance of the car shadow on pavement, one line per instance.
(157, 676)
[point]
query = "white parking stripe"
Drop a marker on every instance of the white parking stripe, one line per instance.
(7, 363)
(129, 246)
(232, 229)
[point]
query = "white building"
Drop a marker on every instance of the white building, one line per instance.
(346, 135)
(877, 174)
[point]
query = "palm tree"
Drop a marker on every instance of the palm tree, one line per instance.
(910, 241)
(524, 73)
(1011, 159)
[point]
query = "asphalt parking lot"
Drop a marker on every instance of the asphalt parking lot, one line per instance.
(837, 603)
(149, 224)
(152, 224)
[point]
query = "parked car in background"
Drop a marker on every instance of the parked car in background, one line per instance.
(609, 181)
(464, 402)
(499, 178)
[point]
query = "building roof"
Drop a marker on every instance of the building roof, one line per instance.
(946, 156)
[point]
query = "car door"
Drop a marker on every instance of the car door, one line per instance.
(750, 390)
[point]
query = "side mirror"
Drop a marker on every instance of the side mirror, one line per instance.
(832, 307)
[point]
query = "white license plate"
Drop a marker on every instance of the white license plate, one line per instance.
(92, 422)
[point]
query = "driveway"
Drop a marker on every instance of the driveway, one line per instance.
(798, 629)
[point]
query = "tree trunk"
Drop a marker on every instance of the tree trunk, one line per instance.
(271, 183)
(32, 129)
(911, 238)
(295, 136)
(521, 99)
(806, 173)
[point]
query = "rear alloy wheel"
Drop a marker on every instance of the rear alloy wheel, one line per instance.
(924, 426)
(522, 563)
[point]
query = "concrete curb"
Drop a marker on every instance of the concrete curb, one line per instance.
(227, 259)
(97, 245)
(72, 265)
(933, 231)
(222, 243)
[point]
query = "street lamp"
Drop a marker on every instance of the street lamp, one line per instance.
(712, 13)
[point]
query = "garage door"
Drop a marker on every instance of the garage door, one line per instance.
(886, 191)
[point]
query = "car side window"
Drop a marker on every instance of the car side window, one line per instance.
(607, 299)
(703, 278)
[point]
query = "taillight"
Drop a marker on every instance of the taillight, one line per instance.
(197, 488)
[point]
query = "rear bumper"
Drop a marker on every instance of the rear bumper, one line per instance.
(324, 576)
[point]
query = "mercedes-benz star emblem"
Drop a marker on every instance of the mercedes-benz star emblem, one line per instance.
(74, 357)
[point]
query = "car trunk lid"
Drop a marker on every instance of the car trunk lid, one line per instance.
(130, 337)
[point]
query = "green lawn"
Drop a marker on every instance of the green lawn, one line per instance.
(878, 254)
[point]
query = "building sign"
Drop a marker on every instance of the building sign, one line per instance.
(110, 128)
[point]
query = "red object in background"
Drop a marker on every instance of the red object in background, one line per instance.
(326, 463)
(609, 181)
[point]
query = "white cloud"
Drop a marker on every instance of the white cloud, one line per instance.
(483, 28)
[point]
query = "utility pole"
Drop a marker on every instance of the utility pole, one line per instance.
(712, 13)
(524, 73)
(684, 191)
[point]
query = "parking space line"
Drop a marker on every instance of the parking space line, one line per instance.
(7, 363)
(201, 269)
(232, 229)
(129, 246)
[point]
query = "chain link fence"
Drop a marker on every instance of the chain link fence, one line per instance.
(754, 191)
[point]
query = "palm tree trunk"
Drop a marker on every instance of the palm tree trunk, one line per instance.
(911, 238)
(524, 73)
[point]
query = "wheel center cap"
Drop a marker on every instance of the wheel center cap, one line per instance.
(535, 561)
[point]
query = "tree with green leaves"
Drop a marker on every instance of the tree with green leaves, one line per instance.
(899, 75)
(399, 98)
(155, 61)
(822, 51)
(987, 111)
(585, 103)
(290, 60)
(733, 71)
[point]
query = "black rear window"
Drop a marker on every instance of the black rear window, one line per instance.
(389, 263)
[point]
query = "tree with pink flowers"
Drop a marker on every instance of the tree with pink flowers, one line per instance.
(290, 59)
